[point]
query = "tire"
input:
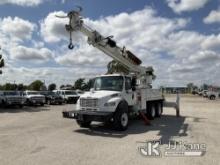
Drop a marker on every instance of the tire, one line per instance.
(151, 111)
(121, 117)
(60, 103)
(48, 102)
(83, 124)
(42, 104)
(28, 102)
(159, 109)
(20, 106)
(212, 97)
(66, 101)
(4, 104)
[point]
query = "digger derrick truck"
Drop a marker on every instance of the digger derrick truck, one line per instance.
(114, 97)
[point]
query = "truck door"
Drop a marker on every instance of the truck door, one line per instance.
(129, 94)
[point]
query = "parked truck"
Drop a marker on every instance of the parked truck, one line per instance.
(11, 98)
(212, 95)
(69, 96)
(34, 98)
(114, 97)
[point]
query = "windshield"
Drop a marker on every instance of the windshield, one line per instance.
(70, 93)
(11, 93)
(113, 83)
(33, 93)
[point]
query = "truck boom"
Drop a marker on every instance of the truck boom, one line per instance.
(110, 48)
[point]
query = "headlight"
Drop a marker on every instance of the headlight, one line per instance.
(109, 104)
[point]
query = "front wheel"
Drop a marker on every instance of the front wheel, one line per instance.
(121, 118)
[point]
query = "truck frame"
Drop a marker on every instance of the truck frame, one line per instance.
(115, 97)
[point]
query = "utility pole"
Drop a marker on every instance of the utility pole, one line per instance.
(2, 62)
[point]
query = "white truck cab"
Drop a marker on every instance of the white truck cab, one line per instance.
(34, 98)
(113, 98)
(108, 91)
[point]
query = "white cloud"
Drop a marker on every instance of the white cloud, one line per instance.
(58, 75)
(178, 56)
(179, 6)
(213, 17)
(17, 28)
(85, 56)
(204, 56)
(27, 54)
(22, 2)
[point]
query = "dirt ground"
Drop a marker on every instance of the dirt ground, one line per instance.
(39, 135)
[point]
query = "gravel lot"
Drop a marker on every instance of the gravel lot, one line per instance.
(39, 135)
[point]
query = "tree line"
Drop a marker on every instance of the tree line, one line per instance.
(38, 85)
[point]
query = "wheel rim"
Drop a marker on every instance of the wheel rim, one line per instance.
(153, 111)
(124, 119)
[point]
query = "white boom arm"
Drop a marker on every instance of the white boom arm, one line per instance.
(109, 47)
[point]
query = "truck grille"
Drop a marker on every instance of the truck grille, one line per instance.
(37, 98)
(88, 102)
(15, 100)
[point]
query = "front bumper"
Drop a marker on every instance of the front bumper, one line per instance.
(72, 99)
(32, 101)
(88, 115)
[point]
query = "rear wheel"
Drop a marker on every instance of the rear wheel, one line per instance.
(159, 109)
(121, 118)
(151, 111)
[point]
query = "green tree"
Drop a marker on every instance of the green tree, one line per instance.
(21, 87)
(62, 86)
(36, 85)
(52, 87)
(9, 86)
(79, 84)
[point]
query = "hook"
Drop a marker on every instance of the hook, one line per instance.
(71, 46)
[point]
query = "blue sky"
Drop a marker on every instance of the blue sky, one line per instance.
(166, 34)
